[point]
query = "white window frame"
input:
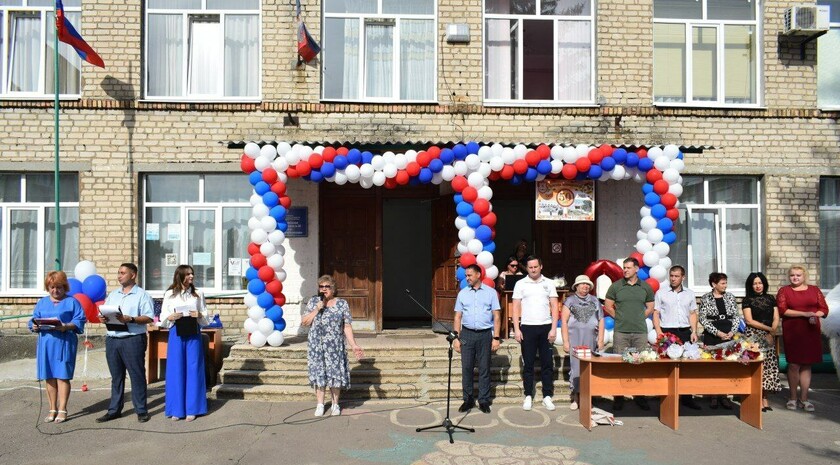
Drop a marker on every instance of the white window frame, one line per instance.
(185, 28)
(832, 26)
(362, 18)
(42, 92)
(719, 25)
(41, 268)
(184, 209)
(827, 208)
(556, 19)
(699, 284)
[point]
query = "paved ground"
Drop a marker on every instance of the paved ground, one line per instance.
(383, 433)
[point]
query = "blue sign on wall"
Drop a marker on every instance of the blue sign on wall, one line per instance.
(298, 220)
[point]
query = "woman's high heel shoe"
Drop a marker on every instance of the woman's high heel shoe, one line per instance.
(51, 417)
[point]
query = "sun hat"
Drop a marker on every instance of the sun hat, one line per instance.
(582, 279)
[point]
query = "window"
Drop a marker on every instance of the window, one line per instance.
(27, 229)
(27, 44)
(539, 51)
(203, 50)
(829, 232)
(379, 50)
(706, 52)
(828, 67)
(719, 230)
(200, 220)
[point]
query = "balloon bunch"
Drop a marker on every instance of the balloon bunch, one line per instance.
(265, 298)
(88, 288)
(476, 226)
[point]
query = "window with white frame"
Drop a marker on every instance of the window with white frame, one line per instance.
(829, 232)
(203, 49)
(27, 44)
(379, 50)
(706, 52)
(539, 51)
(27, 229)
(828, 66)
(719, 229)
(199, 220)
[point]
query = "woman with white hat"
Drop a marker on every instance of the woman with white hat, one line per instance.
(582, 325)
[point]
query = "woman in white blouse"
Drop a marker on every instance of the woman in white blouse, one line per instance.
(184, 312)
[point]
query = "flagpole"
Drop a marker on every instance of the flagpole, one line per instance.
(56, 173)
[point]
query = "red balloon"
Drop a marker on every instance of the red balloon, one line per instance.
(434, 151)
(642, 153)
(328, 154)
(96, 317)
(292, 172)
(423, 159)
(653, 283)
(342, 150)
(489, 282)
(413, 169)
(269, 175)
(481, 206)
(390, 183)
(673, 214)
(606, 150)
(569, 171)
(667, 199)
(466, 259)
(246, 163)
(274, 288)
(595, 156)
(661, 187)
(639, 258)
(470, 194)
(544, 151)
(303, 168)
(599, 267)
(459, 183)
(489, 219)
(280, 300)
(88, 306)
(532, 158)
(258, 261)
(654, 175)
(253, 248)
(285, 201)
(316, 161)
(278, 188)
(266, 273)
(507, 172)
(494, 176)
(583, 164)
(520, 166)
(402, 177)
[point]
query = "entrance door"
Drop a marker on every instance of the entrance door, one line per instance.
(406, 262)
(444, 245)
(566, 247)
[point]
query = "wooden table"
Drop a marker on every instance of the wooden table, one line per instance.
(669, 379)
(159, 340)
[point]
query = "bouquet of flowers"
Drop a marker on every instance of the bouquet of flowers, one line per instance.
(691, 351)
(636, 356)
(739, 349)
(664, 342)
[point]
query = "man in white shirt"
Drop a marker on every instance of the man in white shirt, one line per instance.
(675, 312)
(535, 303)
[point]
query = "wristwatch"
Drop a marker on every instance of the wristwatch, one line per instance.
(132, 320)
(497, 338)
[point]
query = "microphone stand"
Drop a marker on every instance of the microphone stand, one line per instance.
(451, 335)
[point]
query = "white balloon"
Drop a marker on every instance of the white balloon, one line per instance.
(466, 234)
(654, 153)
(475, 180)
(254, 223)
(251, 325)
(268, 249)
(292, 157)
(649, 324)
(255, 199)
(508, 156)
(484, 258)
(671, 175)
(485, 153)
(644, 211)
(678, 165)
(319, 149)
(460, 222)
(496, 163)
(581, 150)
(608, 336)
(391, 170)
(485, 192)
(676, 189)
(662, 248)
(655, 236)
(474, 246)
(276, 237)
(261, 163)
(558, 339)
(497, 149)
(280, 164)
(278, 248)
(671, 151)
(447, 173)
(492, 272)
(377, 163)
(390, 157)
(569, 154)
(665, 262)
(275, 339)
(437, 178)
(265, 326)
(484, 170)
(644, 246)
(252, 150)
(84, 269)
(276, 261)
(462, 248)
(366, 170)
(638, 177)
(461, 168)
(651, 258)
(281, 275)
(647, 223)
(282, 177)
(379, 178)
(268, 224)
(400, 162)
(640, 234)
(662, 163)
(366, 183)
(283, 148)
(268, 151)
(258, 339)
(557, 166)
(520, 151)
(353, 173)
(256, 313)
(258, 236)
(618, 173)
(249, 300)
(658, 273)
(652, 336)
(556, 152)
(340, 178)
(410, 155)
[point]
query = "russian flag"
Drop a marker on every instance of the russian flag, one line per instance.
(68, 34)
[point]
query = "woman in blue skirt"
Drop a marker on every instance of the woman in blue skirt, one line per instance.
(57, 342)
(184, 312)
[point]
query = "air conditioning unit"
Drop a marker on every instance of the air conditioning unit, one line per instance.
(806, 19)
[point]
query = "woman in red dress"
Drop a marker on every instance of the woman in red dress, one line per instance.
(801, 307)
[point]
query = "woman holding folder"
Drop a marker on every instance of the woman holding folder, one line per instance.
(184, 312)
(57, 318)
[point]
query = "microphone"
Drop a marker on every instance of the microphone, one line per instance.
(323, 298)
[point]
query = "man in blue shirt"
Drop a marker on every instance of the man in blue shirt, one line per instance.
(125, 348)
(477, 322)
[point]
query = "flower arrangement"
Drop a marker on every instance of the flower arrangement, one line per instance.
(664, 342)
(636, 356)
(668, 346)
(739, 349)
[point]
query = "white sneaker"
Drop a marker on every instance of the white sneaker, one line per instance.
(527, 404)
(319, 410)
(335, 410)
(573, 406)
(549, 405)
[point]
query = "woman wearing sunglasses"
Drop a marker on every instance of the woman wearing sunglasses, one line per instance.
(329, 318)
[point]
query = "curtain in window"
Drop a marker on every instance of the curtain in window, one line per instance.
(69, 62)
(500, 72)
(205, 61)
(669, 63)
(24, 52)
(341, 58)
(741, 244)
(828, 68)
(165, 55)
(69, 217)
(241, 56)
(574, 58)
(235, 240)
(739, 64)
(417, 60)
(703, 240)
(379, 60)
(23, 242)
(201, 246)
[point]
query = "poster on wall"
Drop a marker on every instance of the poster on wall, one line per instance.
(565, 200)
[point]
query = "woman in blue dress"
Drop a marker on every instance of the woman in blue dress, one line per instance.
(184, 312)
(328, 366)
(57, 343)
(583, 325)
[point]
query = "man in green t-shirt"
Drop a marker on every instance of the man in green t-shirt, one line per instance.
(630, 302)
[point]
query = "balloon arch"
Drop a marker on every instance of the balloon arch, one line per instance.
(469, 168)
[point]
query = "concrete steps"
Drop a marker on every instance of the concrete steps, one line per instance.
(408, 371)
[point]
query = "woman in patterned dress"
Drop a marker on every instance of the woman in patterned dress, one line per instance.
(720, 319)
(328, 366)
(583, 325)
(762, 318)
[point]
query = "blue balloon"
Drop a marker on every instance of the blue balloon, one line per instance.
(620, 156)
(472, 147)
(265, 300)
(669, 238)
(464, 209)
(328, 170)
(645, 164)
(280, 325)
(278, 212)
(665, 225)
(643, 273)
(490, 247)
(531, 174)
(544, 167)
(275, 313)
(447, 156)
(680, 155)
(632, 160)
(742, 327)
(609, 323)
(460, 151)
(580, 176)
(516, 180)
(647, 188)
(608, 163)
(255, 177)
(340, 162)
(94, 287)
(651, 199)
(595, 172)
(460, 273)
(425, 175)
(415, 181)
(261, 187)
(483, 233)
(251, 274)
(354, 157)
(256, 287)
(270, 199)
(473, 220)
(436, 165)
(282, 225)
(75, 286)
(458, 198)
(316, 176)
(658, 211)
(559, 323)
(463, 283)
(353, 153)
